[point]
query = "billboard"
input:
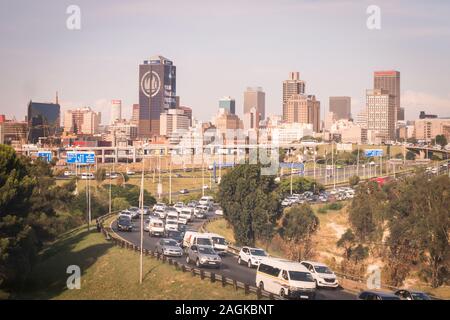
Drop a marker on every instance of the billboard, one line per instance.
(81, 157)
(46, 155)
(373, 153)
(344, 147)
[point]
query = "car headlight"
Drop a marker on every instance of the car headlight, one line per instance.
(203, 260)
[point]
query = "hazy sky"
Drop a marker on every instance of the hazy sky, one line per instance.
(220, 48)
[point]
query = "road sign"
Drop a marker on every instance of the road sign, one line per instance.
(81, 157)
(373, 153)
(46, 155)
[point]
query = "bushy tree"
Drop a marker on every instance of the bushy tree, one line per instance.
(441, 140)
(353, 180)
(299, 185)
(298, 225)
(250, 203)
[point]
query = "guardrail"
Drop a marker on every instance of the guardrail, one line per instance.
(204, 275)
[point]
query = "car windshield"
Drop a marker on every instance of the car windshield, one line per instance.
(258, 252)
(419, 296)
(218, 240)
(206, 250)
(300, 276)
(322, 269)
(157, 224)
(169, 243)
(204, 242)
(174, 234)
(125, 221)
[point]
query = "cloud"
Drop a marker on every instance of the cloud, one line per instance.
(414, 102)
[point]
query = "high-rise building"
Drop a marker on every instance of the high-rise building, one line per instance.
(361, 118)
(341, 107)
(157, 93)
(188, 112)
(83, 121)
(116, 111)
(390, 81)
(254, 97)
(174, 120)
(13, 132)
(228, 103)
(381, 117)
(43, 120)
(428, 128)
(292, 86)
(135, 114)
(302, 108)
(251, 119)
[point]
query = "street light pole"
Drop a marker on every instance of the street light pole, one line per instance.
(110, 190)
(170, 181)
(141, 204)
(292, 174)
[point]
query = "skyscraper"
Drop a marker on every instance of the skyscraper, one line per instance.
(390, 81)
(116, 111)
(157, 93)
(254, 97)
(341, 107)
(135, 114)
(82, 121)
(43, 120)
(292, 86)
(302, 108)
(381, 116)
(228, 103)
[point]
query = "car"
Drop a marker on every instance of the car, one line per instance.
(205, 187)
(377, 295)
(146, 224)
(87, 176)
(192, 204)
(175, 235)
(206, 200)
(159, 206)
(323, 276)
(178, 206)
(404, 294)
(251, 256)
(171, 225)
(113, 175)
(286, 202)
(168, 247)
(220, 245)
(135, 212)
(203, 256)
(156, 227)
(69, 173)
(186, 213)
(184, 191)
(160, 213)
(285, 278)
(130, 172)
(196, 238)
(124, 223)
(219, 212)
(126, 213)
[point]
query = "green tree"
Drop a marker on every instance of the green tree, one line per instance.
(367, 212)
(250, 203)
(299, 185)
(119, 204)
(441, 140)
(298, 225)
(353, 180)
(347, 241)
(100, 175)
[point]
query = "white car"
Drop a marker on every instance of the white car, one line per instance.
(161, 213)
(251, 256)
(87, 176)
(205, 187)
(322, 275)
(69, 173)
(159, 206)
(171, 225)
(156, 227)
(219, 212)
(286, 202)
(186, 213)
(178, 206)
(130, 172)
(206, 200)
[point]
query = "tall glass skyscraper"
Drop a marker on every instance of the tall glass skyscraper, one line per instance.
(228, 104)
(43, 120)
(157, 93)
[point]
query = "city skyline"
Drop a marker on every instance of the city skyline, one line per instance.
(99, 63)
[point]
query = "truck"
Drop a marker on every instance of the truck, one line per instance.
(156, 227)
(196, 238)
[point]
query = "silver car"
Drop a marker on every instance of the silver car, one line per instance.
(168, 247)
(203, 256)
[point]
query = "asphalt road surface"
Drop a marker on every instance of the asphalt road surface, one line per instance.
(230, 267)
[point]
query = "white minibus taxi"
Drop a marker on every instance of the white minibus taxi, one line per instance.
(286, 278)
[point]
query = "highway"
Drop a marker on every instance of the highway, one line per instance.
(230, 267)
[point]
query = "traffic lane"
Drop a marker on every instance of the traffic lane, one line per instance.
(230, 267)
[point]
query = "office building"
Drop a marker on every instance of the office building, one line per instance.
(290, 87)
(174, 121)
(43, 120)
(82, 121)
(252, 119)
(13, 133)
(228, 103)
(427, 129)
(341, 107)
(135, 114)
(302, 108)
(116, 111)
(122, 133)
(390, 81)
(157, 93)
(381, 117)
(361, 118)
(254, 97)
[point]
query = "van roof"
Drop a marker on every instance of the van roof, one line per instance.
(208, 234)
(315, 264)
(284, 264)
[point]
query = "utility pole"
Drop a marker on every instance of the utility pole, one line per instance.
(110, 190)
(292, 173)
(170, 181)
(203, 175)
(141, 205)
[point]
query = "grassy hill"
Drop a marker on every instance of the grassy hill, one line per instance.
(109, 272)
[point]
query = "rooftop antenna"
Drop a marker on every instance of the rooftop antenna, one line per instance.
(57, 100)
